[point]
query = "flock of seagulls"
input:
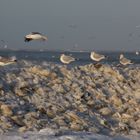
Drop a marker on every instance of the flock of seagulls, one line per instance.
(66, 59)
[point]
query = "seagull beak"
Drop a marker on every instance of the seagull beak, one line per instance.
(107, 57)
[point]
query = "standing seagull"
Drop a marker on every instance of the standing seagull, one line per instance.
(6, 61)
(35, 36)
(66, 59)
(96, 57)
(137, 53)
(124, 61)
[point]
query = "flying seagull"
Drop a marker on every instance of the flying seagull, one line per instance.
(35, 36)
(66, 59)
(124, 61)
(96, 57)
(6, 61)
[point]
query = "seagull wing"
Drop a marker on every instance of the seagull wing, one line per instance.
(98, 56)
(125, 60)
(33, 33)
(2, 59)
(69, 58)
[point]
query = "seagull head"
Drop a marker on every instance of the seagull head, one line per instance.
(92, 53)
(121, 56)
(62, 54)
(13, 58)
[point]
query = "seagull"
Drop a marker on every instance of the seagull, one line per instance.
(124, 61)
(35, 36)
(4, 44)
(66, 59)
(6, 61)
(96, 57)
(137, 53)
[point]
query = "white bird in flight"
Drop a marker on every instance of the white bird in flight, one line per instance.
(124, 61)
(35, 36)
(96, 57)
(66, 59)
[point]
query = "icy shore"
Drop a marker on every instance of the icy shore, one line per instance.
(99, 99)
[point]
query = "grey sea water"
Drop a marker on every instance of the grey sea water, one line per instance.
(81, 57)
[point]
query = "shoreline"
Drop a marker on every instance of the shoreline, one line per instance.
(70, 135)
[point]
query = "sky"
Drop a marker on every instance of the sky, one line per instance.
(109, 25)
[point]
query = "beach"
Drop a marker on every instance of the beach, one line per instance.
(70, 70)
(94, 98)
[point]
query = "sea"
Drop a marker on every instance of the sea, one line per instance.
(82, 57)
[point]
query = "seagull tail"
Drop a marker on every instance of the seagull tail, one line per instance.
(45, 38)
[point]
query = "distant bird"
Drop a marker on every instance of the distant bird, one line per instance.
(4, 44)
(6, 61)
(35, 36)
(53, 56)
(66, 59)
(131, 34)
(96, 57)
(137, 53)
(137, 26)
(73, 26)
(124, 61)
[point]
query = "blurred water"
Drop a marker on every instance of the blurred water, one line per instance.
(82, 57)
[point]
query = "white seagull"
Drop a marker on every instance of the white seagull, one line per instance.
(137, 53)
(66, 59)
(124, 61)
(6, 61)
(96, 57)
(35, 36)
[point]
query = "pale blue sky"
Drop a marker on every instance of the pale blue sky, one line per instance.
(86, 24)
